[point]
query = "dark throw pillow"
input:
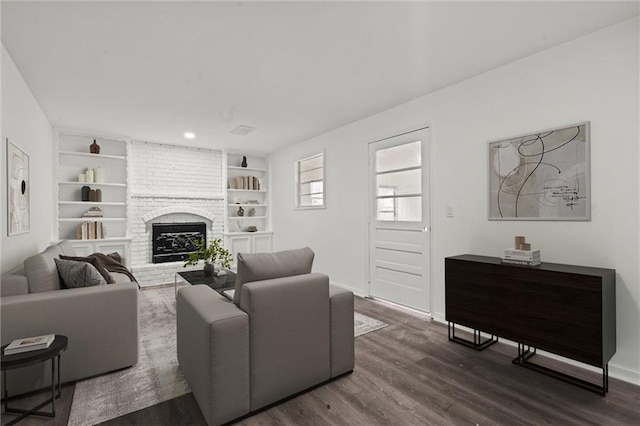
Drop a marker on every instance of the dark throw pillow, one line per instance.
(96, 264)
(76, 274)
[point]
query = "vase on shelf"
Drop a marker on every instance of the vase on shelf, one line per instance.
(94, 147)
(244, 161)
(85, 193)
(240, 211)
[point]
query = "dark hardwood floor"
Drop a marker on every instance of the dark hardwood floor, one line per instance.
(410, 374)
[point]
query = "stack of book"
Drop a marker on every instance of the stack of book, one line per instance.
(522, 257)
(29, 344)
(93, 212)
(247, 182)
(91, 231)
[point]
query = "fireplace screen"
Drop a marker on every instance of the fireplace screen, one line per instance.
(173, 242)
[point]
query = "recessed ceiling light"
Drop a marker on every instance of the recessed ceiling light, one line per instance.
(189, 135)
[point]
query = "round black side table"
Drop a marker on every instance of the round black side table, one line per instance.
(24, 359)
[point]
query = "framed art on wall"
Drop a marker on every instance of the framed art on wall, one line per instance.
(541, 176)
(18, 189)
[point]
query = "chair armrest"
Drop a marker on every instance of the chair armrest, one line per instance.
(213, 352)
(289, 335)
(13, 285)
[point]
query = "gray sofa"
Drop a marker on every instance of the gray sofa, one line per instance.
(101, 322)
(286, 331)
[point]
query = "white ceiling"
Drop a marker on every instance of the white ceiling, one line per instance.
(293, 70)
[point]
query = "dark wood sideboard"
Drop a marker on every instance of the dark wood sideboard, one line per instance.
(562, 309)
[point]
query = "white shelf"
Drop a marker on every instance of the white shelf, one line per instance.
(114, 239)
(97, 203)
(245, 217)
(123, 185)
(92, 219)
(247, 190)
(248, 169)
(85, 154)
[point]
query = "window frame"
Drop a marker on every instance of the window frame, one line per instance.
(298, 183)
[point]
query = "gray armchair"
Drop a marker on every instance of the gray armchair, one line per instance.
(287, 330)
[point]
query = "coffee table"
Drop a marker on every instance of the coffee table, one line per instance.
(218, 283)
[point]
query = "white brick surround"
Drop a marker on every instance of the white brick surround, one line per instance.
(171, 184)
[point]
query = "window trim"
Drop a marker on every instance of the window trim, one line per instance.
(298, 184)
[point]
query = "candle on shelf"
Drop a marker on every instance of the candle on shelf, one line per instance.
(89, 175)
(82, 177)
(99, 175)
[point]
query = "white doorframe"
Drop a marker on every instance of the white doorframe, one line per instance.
(426, 168)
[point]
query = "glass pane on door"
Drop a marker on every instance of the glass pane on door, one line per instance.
(399, 157)
(408, 209)
(407, 182)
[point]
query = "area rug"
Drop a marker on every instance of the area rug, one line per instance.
(156, 377)
(363, 324)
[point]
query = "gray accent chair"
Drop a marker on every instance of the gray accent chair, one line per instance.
(101, 322)
(286, 331)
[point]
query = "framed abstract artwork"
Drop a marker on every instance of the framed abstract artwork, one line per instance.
(18, 189)
(541, 176)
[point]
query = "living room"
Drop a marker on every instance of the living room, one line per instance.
(590, 75)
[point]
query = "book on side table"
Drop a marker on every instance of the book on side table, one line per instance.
(29, 344)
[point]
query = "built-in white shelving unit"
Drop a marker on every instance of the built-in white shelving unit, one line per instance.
(247, 189)
(73, 158)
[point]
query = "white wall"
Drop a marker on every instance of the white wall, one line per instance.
(26, 126)
(593, 78)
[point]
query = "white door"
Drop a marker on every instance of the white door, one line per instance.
(399, 220)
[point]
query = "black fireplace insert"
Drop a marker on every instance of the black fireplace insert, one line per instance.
(172, 242)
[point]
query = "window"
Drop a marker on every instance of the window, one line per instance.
(310, 182)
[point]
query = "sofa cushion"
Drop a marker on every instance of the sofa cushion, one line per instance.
(96, 264)
(265, 266)
(76, 274)
(41, 270)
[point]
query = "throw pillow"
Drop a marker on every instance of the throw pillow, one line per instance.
(265, 266)
(76, 274)
(96, 264)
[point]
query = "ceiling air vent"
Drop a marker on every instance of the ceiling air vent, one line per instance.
(242, 130)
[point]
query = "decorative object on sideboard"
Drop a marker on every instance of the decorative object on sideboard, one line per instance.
(85, 193)
(18, 190)
(244, 161)
(521, 254)
(94, 148)
(240, 211)
(215, 256)
(523, 186)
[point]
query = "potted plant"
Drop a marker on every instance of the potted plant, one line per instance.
(214, 254)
